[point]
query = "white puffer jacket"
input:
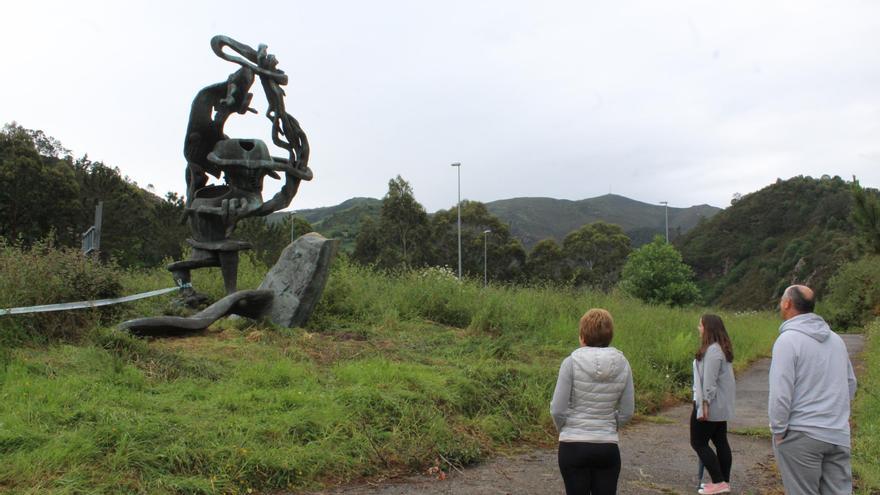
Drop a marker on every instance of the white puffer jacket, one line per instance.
(593, 396)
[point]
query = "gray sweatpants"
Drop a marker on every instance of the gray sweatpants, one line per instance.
(813, 467)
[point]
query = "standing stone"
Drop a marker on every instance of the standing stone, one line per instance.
(298, 279)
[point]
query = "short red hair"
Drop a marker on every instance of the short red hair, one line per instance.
(597, 328)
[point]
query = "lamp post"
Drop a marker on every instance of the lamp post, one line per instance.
(666, 214)
(457, 165)
(486, 257)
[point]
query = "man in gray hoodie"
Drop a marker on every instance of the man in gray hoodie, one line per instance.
(811, 386)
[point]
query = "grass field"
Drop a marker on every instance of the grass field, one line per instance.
(866, 416)
(393, 372)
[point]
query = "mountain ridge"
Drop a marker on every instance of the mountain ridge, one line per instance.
(531, 219)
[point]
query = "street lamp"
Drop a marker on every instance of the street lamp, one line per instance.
(666, 212)
(458, 166)
(486, 257)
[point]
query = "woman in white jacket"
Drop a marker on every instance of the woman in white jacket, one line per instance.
(714, 396)
(592, 400)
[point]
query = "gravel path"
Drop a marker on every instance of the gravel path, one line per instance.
(657, 457)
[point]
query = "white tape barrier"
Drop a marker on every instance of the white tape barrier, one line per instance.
(84, 304)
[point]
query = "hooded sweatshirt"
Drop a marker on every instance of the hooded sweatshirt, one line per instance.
(811, 381)
(593, 396)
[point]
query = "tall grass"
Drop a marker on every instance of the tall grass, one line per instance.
(866, 416)
(45, 274)
(392, 372)
(524, 323)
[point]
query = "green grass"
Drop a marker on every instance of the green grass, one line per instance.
(654, 418)
(866, 416)
(392, 372)
(752, 432)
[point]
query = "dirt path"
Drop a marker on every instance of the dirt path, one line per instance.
(657, 457)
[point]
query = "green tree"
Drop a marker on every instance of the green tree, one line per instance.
(138, 228)
(43, 190)
(595, 254)
(48, 146)
(656, 274)
(166, 229)
(866, 215)
(367, 244)
(38, 194)
(401, 237)
(546, 263)
(405, 222)
(505, 255)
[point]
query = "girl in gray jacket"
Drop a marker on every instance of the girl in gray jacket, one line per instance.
(714, 396)
(593, 398)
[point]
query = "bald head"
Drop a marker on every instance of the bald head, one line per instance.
(796, 300)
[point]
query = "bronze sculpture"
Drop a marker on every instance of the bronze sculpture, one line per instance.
(293, 286)
(213, 211)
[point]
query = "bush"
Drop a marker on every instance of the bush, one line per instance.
(854, 293)
(45, 274)
(656, 274)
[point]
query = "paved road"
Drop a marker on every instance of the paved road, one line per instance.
(657, 457)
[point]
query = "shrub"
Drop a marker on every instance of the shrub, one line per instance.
(854, 293)
(45, 274)
(656, 274)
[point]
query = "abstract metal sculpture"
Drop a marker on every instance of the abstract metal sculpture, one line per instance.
(294, 285)
(214, 210)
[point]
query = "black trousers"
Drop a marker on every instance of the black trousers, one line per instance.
(589, 468)
(718, 464)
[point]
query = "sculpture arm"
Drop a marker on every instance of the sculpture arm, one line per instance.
(281, 199)
(219, 42)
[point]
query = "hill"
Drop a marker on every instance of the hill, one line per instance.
(342, 221)
(534, 219)
(792, 231)
(530, 219)
(317, 215)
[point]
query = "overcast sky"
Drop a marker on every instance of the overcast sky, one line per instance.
(688, 102)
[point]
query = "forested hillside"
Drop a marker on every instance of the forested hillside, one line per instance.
(318, 215)
(342, 221)
(45, 192)
(793, 231)
(530, 219)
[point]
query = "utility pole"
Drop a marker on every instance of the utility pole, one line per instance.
(486, 257)
(457, 165)
(666, 214)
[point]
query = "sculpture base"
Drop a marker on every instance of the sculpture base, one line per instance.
(298, 279)
(249, 303)
(287, 296)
